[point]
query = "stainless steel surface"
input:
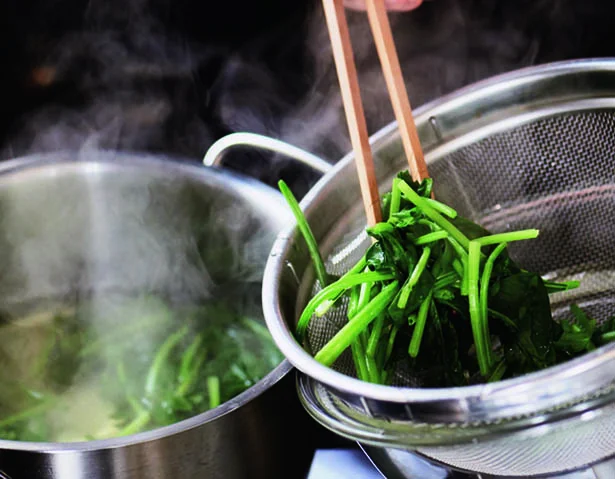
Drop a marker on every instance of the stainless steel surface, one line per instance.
(402, 464)
(95, 220)
(532, 148)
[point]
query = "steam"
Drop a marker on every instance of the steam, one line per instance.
(134, 84)
(131, 84)
(442, 46)
(127, 82)
(130, 229)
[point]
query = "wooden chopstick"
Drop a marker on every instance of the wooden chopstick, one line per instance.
(385, 45)
(353, 106)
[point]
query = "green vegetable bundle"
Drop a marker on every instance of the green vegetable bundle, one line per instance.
(437, 298)
(139, 363)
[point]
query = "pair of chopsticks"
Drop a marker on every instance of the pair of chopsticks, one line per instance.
(355, 116)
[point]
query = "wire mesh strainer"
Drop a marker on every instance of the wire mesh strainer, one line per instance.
(530, 149)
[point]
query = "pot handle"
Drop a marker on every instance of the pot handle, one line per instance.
(216, 151)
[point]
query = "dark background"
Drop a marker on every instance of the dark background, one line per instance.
(172, 76)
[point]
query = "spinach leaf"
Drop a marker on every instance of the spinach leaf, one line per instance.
(577, 336)
(530, 347)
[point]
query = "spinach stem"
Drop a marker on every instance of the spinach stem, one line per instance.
(372, 370)
(430, 224)
(395, 198)
(190, 379)
(443, 262)
(137, 424)
(465, 278)
(188, 358)
(460, 264)
(446, 280)
(306, 231)
(332, 291)
(351, 330)
(431, 237)
(606, 337)
(486, 278)
(259, 329)
(213, 387)
(507, 237)
(360, 363)
(374, 337)
(364, 294)
(478, 330)
(136, 406)
(458, 267)
(553, 287)
(461, 253)
(432, 214)
(241, 374)
(28, 413)
(442, 208)
(498, 372)
(161, 358)
(380, 228)
(419, 327)
(480, 317)
(353, 302)
(358, 299)
(357, 268)
(414, 278)
(391, 342)
(326, 305)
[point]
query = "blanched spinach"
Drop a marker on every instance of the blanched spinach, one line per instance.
(436, 301)
(152, 366)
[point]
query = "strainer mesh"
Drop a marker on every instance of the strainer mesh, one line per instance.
(570, 444)
(556, 174)
(533, 455)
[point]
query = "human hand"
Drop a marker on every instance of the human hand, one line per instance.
(392, 5)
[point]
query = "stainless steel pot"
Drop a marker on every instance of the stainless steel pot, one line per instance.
(90, 220)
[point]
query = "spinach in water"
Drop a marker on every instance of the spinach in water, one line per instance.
(146, 365)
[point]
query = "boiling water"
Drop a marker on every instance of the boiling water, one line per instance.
(112, 366)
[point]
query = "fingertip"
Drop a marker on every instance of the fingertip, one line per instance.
(391, 5)
(402, 5)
